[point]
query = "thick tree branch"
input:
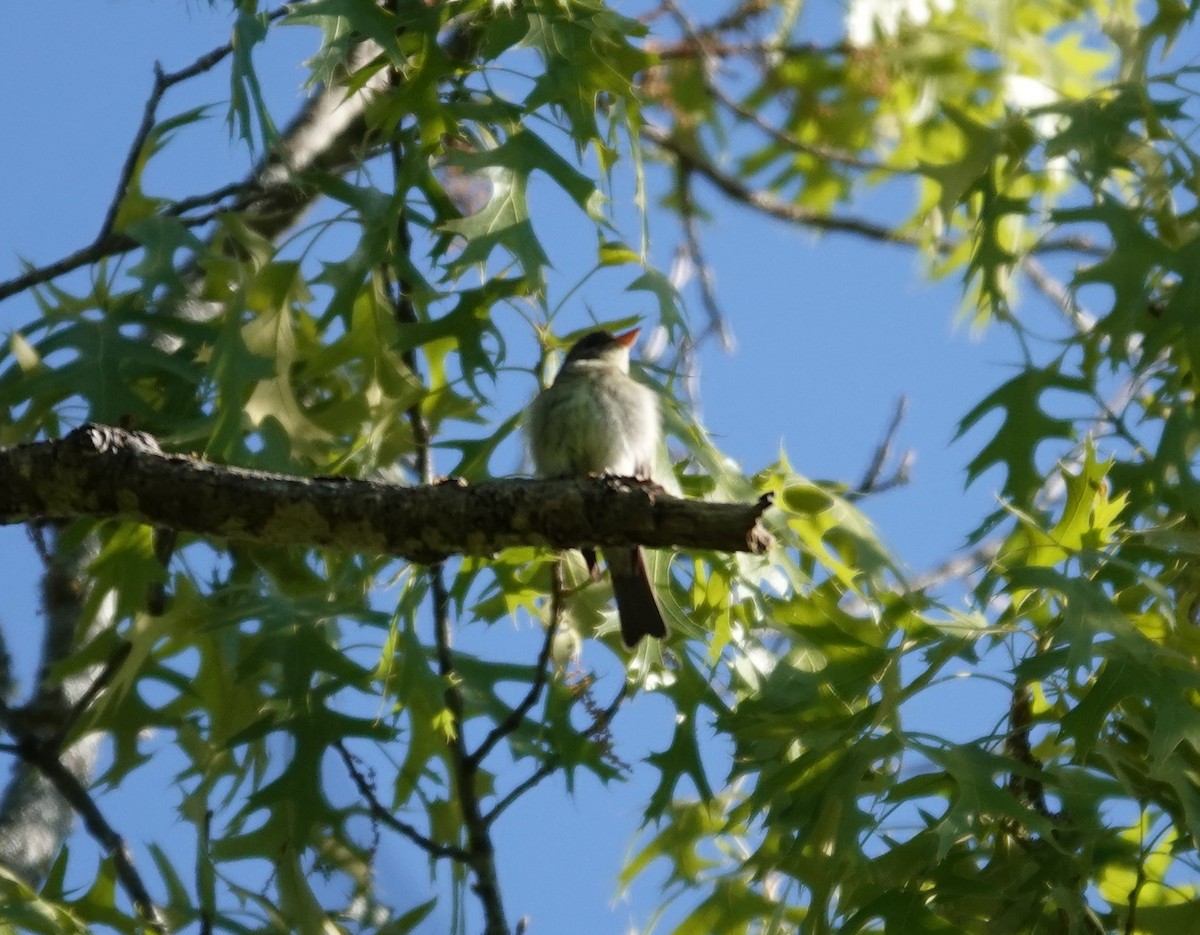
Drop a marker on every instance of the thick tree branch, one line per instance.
(107, 472)
(45, 760)
(34, 816)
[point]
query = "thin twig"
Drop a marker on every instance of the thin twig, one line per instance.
(768, 204)
(692, 32)
(546, 769)
(873, 481)
(163, 82)
(687, 49)
(108, 242)
(599, 725)
(791, 141)
(243, 191)
(204, 845)
(517, 714)
(1071, 243)
(1029, 789)
(739, 17)
(115, 244)
(145, 128)
(705, 43)
(378, 811)
(210, 59)
(1058, 294)
(90, 254)
(98, 684)
(704, 273)
(957, 567)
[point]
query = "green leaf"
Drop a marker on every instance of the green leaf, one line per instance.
(691, 692)
(161, 239)
(670, 303)
(1088, 514)
(1130, 268)
(586, 51)
(247, 109)
(504, 220)
(1026, 425)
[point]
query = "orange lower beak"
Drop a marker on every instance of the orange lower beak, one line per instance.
(627, 338)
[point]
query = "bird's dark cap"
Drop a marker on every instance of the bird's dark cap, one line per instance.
(593, 344)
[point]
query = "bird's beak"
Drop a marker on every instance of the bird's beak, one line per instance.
(626, 339)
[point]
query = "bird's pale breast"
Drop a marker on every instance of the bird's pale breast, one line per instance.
(595, 421)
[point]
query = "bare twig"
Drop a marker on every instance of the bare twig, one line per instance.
(204, 905)
(704, 274)
(768, 204)
(873, 481)
(244, 191)
(116, 244)
(36, 275)
(34, 817)
(481, 852)
(1071, 243)
(724, 49)
(149, 112)
(739, 17)
(328, 129)
(1058, 294)
(380, 813)
(956, 568)
(98, 684)
(709, 47)
(546, 769)
(517, 714)
(599, 727)
(1026, 785)
(210, 59)
(163, 82)
(793, 142)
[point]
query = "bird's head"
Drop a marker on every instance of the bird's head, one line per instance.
(602, 346)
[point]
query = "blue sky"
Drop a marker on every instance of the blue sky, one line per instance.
(829, 332)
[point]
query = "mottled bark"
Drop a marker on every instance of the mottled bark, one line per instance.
(102, 471)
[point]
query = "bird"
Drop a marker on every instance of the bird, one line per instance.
(595, 419)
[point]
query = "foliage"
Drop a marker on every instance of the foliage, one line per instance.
(1024, 133)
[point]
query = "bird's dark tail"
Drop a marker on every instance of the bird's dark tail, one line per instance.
(636, 604)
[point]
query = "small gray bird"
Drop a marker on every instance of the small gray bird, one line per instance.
(596, 419)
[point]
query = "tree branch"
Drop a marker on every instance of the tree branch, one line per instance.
(367, 791)
(34, 816)
(717, 323)
(767, 204)
(517, 714)
(601, 719)
(324, 137)
(873, 481)
(44, 758)
(108, 472)
(755, 49)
